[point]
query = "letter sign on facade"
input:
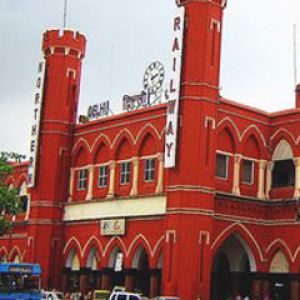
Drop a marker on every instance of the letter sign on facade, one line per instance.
(112, 227)
(35, 128)
(174, 89)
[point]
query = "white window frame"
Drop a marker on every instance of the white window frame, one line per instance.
(125, 172)
(82, 181)
(149, 169)
(102, 176)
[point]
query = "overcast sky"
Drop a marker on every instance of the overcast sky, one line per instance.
(125, 36)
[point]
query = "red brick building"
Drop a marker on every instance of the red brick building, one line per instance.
(105, 211)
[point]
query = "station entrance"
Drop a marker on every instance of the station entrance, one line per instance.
(234, 273)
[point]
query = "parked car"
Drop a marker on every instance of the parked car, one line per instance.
(101, 294)
(52, 295)
(124, 296)
(166, 298)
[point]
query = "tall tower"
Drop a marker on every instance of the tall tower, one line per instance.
(63, 53)
(190, 184)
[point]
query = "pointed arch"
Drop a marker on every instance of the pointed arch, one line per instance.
(279, 263)
(137, 256)
(93, 242)
(283, 150)
(101, 152)
(93, 259)
(149, 142)
(14, 254)
(280, 134)
(80, 143)
(116, 241)
(101, 142)
(123, 147)
(3, 253)
(118, 138)
(73, 243)
(139, 241)
(81, 156)
(72, 260)
(228, 122)
(113, 257)
(244, 233)
(228, 136)
(279, 245)
(253, 132)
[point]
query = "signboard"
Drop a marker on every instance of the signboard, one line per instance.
(12, 155)
(21, 269)
(35, 128)
(112, 227)
(135, 102)
(174, 89)
(98, 110)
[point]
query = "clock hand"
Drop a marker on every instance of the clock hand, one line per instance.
(154, 76)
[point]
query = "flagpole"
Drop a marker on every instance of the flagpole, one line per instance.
(295, 54)
(65, 15)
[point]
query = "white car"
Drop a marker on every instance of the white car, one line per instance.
(124, 296)
(52, 295)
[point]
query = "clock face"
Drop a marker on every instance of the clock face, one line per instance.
(154, 77)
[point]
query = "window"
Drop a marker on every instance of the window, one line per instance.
(222, 166)
(149, 174)
(23, 203)
(23, 198)
(103, 175)
(125, 172)
(283, 173)
(82, 179)
(247, 172)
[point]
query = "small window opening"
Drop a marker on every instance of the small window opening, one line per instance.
(222, 166)
(247, 172)
(283, 173)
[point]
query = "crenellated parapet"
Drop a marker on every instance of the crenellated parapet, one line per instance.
(65, 42)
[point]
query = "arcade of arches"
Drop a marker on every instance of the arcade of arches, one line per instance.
(235, 273)
(139, 278)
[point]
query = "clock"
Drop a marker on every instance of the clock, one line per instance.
(154, 77)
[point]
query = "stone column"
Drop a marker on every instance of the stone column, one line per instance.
(270, 166)
(106, 278)
(261, 179)
(98, 281)
(256, 288)
(160, 178)
(135, 181)
(297, 177)
(265, 288)
(71, 187)
(130, 275)
(66, 280)
(236, 175)
(112, 176)
(155, 275)
(89, 195)
(295, 288)
(84, 280)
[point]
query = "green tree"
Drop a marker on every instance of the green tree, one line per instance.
(9, 199)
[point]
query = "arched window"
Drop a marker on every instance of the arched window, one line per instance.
(283, 174)
(279, 263)
(23, 197)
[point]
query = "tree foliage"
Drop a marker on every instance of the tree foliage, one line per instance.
(9, 200)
